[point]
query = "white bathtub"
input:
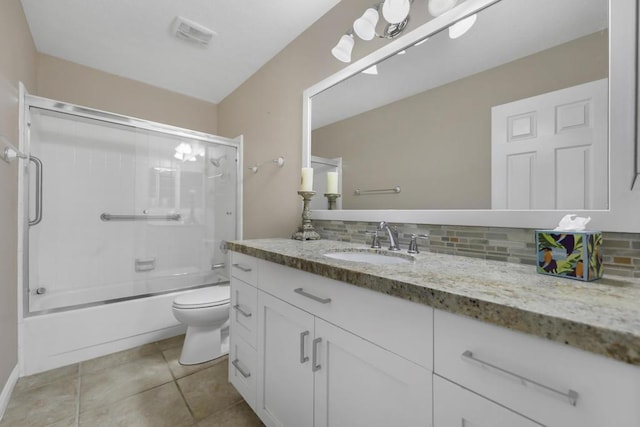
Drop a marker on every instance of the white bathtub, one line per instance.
(166, 282)
(52, 340)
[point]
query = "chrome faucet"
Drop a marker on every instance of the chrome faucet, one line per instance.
(394, 244)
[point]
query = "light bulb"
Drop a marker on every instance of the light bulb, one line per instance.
(342, 51)
(461, 27)
(395, 11)
(365, 26)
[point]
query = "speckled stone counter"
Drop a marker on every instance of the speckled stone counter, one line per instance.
(601, 317)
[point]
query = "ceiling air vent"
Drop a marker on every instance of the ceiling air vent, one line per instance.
(191, 31)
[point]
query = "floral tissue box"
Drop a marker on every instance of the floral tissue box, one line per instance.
(574, 255)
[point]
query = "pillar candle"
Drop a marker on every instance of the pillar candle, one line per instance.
(332, 182)
(306, 183)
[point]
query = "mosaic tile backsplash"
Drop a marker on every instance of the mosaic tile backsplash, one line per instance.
(621, 250)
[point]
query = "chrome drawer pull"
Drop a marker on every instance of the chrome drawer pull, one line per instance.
(315, 366)
(313, 297)
(244, 313)
(303, 358)
(242, 267)
(236, 364)
(571, 396)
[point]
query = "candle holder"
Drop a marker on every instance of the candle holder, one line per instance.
(332, 197)
(306, 231)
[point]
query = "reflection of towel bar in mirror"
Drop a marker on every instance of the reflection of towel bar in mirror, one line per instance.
(393, 190)
(111, 217)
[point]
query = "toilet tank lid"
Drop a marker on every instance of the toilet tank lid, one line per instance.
(212, 294)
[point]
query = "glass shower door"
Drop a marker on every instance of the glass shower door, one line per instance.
(126, 211)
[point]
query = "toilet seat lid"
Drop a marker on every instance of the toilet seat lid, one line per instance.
(207, 297)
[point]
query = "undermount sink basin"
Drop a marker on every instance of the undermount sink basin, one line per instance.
(370, 257)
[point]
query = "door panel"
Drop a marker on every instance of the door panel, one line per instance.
(361, 384)
(285, 384)
(551, 151)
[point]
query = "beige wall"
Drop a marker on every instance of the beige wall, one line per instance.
(17, 63)
(267, 110)
(62, 80)
(67, 81)
(439, 146)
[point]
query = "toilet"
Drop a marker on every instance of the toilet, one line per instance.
(206, 314)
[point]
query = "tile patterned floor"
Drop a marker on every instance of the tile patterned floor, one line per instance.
(141, 387)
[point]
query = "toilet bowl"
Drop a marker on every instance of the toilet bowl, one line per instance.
(206, 314)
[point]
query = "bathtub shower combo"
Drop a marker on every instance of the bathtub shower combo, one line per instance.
(119, 215)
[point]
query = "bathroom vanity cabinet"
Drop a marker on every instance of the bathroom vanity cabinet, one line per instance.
(326, 357)
(307, 350)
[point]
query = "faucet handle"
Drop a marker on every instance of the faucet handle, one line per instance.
(375, 239)
(413, 244)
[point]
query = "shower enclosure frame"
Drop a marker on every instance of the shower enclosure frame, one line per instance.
(27, 102)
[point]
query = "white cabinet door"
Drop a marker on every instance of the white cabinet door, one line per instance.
(455, 406)
(285, 378)
(358, 383)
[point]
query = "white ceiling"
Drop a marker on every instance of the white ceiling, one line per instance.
(132, 38)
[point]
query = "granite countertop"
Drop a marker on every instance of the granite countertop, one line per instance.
(602, 317)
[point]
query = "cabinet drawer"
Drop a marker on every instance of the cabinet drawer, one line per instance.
(244, 311)
(455, 406)
(242, 369)
(245, 268)
(398, 325)
(534, 376)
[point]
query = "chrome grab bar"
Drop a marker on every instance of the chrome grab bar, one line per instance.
(243, 312)
(571, 396)
(394, 190)
(36, 161)
(236, 364)
(110, 217)
(313, 297)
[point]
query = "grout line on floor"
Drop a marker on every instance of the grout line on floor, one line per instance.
(184, 399)
(79, 385)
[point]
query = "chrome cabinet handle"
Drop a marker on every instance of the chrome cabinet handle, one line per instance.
(244, 313)
(36, 161)
(242, 267)
(571, 396)
(315, 366)
(313, 297)
(236, 364)
(303, 358)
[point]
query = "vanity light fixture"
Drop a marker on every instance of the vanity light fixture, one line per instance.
(395, 13)
(342, 51)
(365, 26)
(462, 26)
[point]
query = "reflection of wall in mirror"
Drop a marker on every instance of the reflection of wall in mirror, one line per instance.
(437, 145)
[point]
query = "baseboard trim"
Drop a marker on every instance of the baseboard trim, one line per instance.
(8, 389)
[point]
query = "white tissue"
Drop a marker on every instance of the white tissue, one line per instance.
(572, 222)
